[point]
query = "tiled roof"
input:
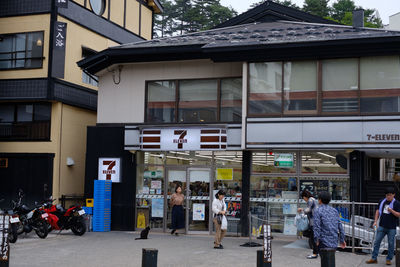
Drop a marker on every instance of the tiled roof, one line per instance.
(281, 32)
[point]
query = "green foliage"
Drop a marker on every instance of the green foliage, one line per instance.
(182, 16)
(282, 2)
(317, 7)
(340, 8)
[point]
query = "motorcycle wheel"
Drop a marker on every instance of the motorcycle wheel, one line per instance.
(12, 233)
(20, 228)
(41, 229)
(79, 227)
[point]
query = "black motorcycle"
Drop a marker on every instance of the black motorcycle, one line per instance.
(31, 219)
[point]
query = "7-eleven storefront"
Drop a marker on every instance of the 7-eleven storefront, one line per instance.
(206, 159)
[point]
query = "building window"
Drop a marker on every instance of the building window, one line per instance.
(198, 101)
(231, 100)
(351, 86)
(25, 121)
(21, 50)
(380, 84)
(98, 6)
(161, 101)
(300, 87)
(340, 85)
(191, 101)
(265, 88)
(86, 78)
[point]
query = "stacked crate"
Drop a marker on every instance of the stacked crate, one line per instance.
(102, 206)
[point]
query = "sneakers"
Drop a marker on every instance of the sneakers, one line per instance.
(219, 247)
(388, 262)
(371, 261)
(312, 256)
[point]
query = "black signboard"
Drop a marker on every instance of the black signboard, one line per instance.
(60, 38)
(62, 3)
(4, 245)
(267, 243)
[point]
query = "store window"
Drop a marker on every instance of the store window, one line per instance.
(194, 101)
(265, 95)
(300, 87)
(337, 187)
(326, 162)
(30, 121)
(150, 192)
(380, 84)
(269, 162)
(340, 85)
(161, 101)
(231, 100)
(198, 101)
(21, 50)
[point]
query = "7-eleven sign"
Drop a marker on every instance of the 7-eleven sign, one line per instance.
(109, 169)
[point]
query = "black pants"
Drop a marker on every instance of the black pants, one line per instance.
(315, 248)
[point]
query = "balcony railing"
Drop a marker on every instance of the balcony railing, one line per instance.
(25, 131)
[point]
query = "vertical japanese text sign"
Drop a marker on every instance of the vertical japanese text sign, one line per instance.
(4, 246)
(62, 3)
(267, 243)
(59, 42)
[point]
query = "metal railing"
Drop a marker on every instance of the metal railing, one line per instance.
(357, 219)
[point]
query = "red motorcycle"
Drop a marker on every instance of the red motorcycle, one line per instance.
(61, 219)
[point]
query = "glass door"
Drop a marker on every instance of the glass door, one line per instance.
(198, 199)
(175, 177)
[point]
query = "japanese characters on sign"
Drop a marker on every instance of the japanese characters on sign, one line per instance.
(4, 245)
(62, 3)
(60, 35)
(59, 43)
(267, 243)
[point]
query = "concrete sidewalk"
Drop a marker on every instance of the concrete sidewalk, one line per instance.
(120, 249)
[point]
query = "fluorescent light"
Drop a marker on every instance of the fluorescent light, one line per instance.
(326, 155)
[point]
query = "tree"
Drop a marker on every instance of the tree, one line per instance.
(287, 3)
(182, 16)
(340, 8)
(317, 7)
(163, 23)
(342, 12)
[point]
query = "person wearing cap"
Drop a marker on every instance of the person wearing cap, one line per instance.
(387, 213)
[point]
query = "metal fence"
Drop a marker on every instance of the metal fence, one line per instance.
(357, 219)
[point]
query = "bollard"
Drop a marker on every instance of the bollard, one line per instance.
(398, 251)
(260, 259)
(149, 257)
(327, 257)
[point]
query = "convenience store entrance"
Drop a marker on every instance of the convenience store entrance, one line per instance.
(196, 183)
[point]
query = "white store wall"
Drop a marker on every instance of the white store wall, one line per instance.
(125, 102)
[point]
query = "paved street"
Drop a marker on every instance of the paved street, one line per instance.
(120, 249)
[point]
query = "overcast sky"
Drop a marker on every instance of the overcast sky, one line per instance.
(386, 8)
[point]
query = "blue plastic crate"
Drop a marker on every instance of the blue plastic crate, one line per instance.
(88, 210)
(102, 206)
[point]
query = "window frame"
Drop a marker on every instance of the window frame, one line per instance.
(25, 51)
(176, 107)
(15, 121)
(319, 111)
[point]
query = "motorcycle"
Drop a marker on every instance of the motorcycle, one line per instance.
(61, 219)
(30, 219)
(13, 225)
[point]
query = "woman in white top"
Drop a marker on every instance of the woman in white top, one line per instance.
(219, 208)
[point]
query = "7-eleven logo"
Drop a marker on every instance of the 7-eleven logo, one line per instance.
(181, 139)
(110, 165)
